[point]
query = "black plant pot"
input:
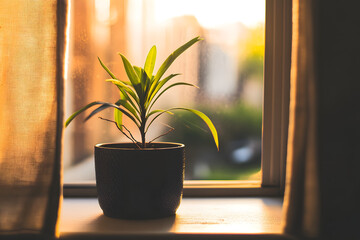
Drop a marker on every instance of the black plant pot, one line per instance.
(139, 184)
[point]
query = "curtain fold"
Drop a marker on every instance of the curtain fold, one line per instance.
(32, 50)
(302, 193)
(322, 193)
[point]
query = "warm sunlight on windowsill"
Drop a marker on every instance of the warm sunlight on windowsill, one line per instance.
(197, 218)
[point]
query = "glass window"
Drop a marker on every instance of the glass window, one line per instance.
(227, 66)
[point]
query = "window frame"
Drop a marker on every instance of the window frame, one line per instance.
(277, 61)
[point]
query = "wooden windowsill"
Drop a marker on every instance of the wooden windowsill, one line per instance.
(197, 218)
(192, 188)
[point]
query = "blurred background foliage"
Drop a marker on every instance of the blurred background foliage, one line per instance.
(239, 129)
(252, 58)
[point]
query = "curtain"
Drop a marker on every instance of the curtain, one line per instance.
(302, 179)
(322, 193)
(32, 50)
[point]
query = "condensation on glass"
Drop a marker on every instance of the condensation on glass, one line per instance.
(227, 66)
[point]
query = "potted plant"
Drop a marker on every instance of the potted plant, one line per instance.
(141, 179)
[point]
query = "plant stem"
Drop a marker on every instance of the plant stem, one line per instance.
(142, 127)
(171, 129)
(143, 141)
(131, 136)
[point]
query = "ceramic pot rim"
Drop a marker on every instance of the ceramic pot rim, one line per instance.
(128, 146)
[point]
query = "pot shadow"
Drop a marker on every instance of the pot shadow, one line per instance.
(106, 224)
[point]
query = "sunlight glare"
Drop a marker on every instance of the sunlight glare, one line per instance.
(102, 10)
(212, 13)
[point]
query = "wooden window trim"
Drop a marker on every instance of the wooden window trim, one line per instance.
(275, 119)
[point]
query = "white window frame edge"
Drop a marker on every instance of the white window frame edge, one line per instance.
(276, 92)
(275, 119)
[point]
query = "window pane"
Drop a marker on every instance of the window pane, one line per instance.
(227, 66)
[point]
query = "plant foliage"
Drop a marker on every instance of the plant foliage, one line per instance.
(139, 94)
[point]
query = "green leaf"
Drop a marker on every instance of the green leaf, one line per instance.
(127, 106)
(97, 110)
(126, 97)
(138, 71)
(124, 93)
(160, 85)
(157, 111)
(122, 85)
(171, 86)
(147, 83)
(148, 88)
(150, 61)
(205, 118)
(208, 122)
(167, 63)
(106, 69)
(144, 80)
(133, 77)
(106, 105)
(130, 72)
(75, 114)
(118, 118)
(160, 111)
(118, 115)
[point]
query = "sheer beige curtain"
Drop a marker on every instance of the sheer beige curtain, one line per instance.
(32, 44)
(322, 197)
